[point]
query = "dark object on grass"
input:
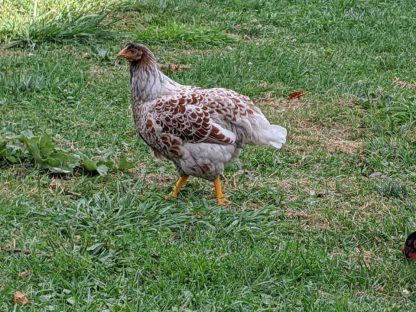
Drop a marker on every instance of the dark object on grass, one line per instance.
(409, 248)
(296, 95)
(200, 130)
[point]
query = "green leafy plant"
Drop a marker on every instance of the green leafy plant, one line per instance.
(41, 151)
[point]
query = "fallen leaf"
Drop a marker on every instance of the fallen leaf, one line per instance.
(25, 274)
(20, 298)
(296, 95)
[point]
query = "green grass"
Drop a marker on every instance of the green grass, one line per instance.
(191, 35)
(310, 227)
(28, 23)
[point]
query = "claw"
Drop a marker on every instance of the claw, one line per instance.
(171, 195)
(223, 201)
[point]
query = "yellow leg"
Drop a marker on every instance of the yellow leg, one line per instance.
(178, 186)
(219, 194)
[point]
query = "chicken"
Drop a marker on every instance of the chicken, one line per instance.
(200, 130)
(409, 248)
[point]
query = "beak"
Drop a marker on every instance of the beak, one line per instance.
(122, 53)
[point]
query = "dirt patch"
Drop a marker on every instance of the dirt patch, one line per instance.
(309, 220)
(333, 137)
(14, 52)
(404, 84)
(163, 179)
(348, 100)
(282, 103)
(371, 206)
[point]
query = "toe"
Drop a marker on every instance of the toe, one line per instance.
(223, 201)
(171, 195)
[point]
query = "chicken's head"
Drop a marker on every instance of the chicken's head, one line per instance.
(135, 53)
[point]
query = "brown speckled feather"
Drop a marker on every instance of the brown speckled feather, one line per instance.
(186, 115)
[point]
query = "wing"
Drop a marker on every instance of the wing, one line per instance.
(229, 106)
(185, 116)
(238, 114)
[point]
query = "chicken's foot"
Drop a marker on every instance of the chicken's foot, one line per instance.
(179, 184)
(222, 201)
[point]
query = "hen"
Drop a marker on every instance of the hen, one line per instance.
(200, 130)
(409, 248)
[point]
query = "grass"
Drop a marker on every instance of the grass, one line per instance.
(311, 228)
(192, 35)
(27, 23)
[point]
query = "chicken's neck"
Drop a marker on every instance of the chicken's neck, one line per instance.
(147, 83)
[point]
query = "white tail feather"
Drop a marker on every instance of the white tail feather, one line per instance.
(276, 136)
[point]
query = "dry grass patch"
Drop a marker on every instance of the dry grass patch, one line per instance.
(163, 179)
(6, 191)
(348, 100)
(282, 103)
(13, 52)
(333, 138)
(404, 84)
(97, 70)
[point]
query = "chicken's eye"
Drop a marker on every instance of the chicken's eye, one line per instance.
(136, 54)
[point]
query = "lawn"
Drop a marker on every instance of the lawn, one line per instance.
(316, 226)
